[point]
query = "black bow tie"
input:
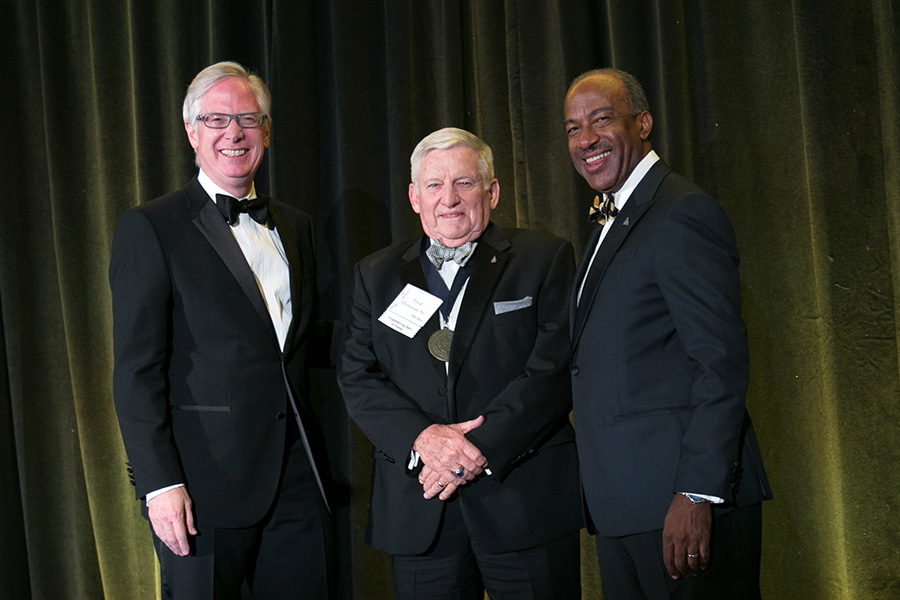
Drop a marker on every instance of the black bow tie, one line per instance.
(257, 208)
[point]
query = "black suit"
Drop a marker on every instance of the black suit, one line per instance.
(203, 391)
(507, 366)
(659, 362)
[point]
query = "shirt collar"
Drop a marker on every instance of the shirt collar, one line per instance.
(621, 196)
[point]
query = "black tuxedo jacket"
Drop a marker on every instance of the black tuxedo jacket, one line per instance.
(659, 361)
(508, 365)
(202, 389)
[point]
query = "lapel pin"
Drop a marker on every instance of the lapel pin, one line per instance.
(493, 260)
(625, 224)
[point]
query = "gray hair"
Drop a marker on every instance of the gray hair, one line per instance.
(450, 137)
(214, 74)
(634, 92)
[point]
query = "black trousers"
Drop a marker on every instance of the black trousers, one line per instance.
(456, 568)
(631, 567)
(288, 555)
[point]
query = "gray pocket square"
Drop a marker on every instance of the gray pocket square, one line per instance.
(511, 305)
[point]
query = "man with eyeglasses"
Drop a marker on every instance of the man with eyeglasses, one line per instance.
(213, 300)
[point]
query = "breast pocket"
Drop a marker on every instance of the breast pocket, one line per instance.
(515, 316)
(513, 311)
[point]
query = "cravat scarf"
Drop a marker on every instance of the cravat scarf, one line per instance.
(601, 212)
(257, 208)
(438, 253)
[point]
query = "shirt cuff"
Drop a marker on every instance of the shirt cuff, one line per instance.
(413, 460)
(156, 493)
(712, 499)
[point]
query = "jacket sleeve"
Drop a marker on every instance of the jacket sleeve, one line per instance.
(696, 265)
(142, 304)
(389, 418)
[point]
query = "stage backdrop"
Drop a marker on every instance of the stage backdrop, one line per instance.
(786, 110)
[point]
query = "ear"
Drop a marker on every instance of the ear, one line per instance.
(266, 136)
(646, 123)
(495, 193)
(414, 198)
(192, 135)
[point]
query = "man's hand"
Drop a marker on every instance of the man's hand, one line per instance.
(172, 519)
(434, 485)
(445, 449)
(685, 539)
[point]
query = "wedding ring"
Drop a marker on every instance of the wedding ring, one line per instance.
(693, 555)
(441, 485)
(460, 471)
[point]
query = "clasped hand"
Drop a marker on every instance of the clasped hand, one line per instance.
(443, 450)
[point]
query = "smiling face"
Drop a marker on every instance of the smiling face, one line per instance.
(605, 142)
(451, 197)
(232, 155)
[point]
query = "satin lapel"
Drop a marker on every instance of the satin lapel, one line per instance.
(410, 271)
(641, 199)
(295, 266)
(490, 260)
(579, 276)
(209, 221)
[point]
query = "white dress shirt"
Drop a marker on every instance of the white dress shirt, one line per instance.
(621, 197)
(264, 252)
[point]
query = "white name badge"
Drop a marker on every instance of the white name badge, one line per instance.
(410, 310)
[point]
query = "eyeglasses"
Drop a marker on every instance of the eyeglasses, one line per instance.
(223, 120)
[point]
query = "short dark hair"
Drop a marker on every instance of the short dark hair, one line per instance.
(634, 92)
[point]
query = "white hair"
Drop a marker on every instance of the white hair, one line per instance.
(214, 74)
(450, 137)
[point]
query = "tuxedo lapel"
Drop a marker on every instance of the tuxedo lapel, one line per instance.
(580, 275)
(295, 267)
(490, 260)
(209, 221)
(410, 272)
(410, 269)
(641, 200)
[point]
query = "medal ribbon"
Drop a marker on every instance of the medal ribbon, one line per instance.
(436, 283)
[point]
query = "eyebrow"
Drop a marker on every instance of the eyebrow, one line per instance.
(593, 113)
(454, 180)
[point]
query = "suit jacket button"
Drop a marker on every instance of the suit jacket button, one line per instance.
(574, 370)
(280, 415)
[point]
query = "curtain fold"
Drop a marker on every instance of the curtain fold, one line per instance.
(786, 110)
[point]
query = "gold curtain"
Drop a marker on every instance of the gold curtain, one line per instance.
(786, 110)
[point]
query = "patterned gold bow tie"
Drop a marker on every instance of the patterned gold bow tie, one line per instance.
(603, 211)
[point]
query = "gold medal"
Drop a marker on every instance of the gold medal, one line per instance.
(439, 344)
